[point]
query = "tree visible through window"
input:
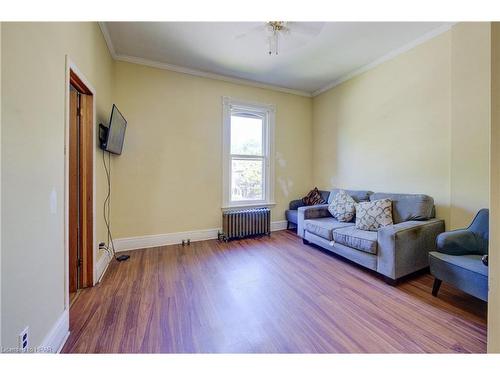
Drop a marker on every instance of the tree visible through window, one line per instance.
(247, 158)
(247, 145)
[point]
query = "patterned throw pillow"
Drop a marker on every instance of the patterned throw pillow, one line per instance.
(342, 207)
(314, 197)
(374, 215)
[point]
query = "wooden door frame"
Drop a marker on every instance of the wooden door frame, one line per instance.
(72, 70)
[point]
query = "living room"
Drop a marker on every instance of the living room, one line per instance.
(250, 187)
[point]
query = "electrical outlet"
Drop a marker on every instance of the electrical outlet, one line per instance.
(24, 340)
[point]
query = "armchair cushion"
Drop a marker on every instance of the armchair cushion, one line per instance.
(465, 272)
(468, 262)
(459, 242)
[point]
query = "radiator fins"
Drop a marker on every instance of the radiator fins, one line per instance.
(238, 224)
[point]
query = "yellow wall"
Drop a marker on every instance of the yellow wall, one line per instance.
(470, 121)
(33, 121)
(494, 254)
(388, 129)
(169, 177)
(415, 124)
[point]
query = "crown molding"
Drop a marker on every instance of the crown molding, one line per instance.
(203, 74)
(386, 57)
(107, 38)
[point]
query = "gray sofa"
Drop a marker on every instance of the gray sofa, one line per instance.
(393, 251)
(292, 212)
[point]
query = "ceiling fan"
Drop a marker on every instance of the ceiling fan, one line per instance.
(275, 31)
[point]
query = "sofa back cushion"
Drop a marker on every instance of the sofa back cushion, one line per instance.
(325, 194)
(407, 207)
(357, 195)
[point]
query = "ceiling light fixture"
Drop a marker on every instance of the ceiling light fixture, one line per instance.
(275, 28)
(281, 35)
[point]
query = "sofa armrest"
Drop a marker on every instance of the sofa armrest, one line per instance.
(295, 204)
(458, 242)
(404, 248)
(310, 212)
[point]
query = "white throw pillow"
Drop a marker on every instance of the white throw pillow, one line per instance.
(374, 215)
(342, 207)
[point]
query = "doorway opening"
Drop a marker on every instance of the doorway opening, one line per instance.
(80, 150)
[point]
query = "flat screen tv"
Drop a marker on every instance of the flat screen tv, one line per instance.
(114, 135)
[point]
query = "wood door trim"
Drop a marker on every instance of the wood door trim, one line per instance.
(78, 84)
(86, 170)
(73, 192)
(86, 196)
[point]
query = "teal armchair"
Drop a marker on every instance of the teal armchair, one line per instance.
(458, 259)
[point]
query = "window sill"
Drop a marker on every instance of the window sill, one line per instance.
(248, 205)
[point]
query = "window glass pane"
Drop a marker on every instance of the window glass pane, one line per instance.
(246, 180)
(246, 135)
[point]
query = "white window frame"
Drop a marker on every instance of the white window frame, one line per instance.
(268, 112)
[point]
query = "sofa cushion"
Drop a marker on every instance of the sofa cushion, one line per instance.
(323, 227)
(342, 207)
(324, 194)
(374, 215)
(356, 238)
(407, 207)
(357, 195)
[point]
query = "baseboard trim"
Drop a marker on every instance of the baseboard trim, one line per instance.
(278, 225)
(143, 242)
(56, 338)
(101, 267)
(155, 240)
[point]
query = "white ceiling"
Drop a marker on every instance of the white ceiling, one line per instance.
(307, 62)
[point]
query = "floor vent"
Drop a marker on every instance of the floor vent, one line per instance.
(238, 224)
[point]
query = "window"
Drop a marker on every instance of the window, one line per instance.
(247, 147)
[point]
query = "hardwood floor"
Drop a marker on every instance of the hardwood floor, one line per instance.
(267, 295)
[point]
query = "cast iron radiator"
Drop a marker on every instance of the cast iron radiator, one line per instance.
(245, 223)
